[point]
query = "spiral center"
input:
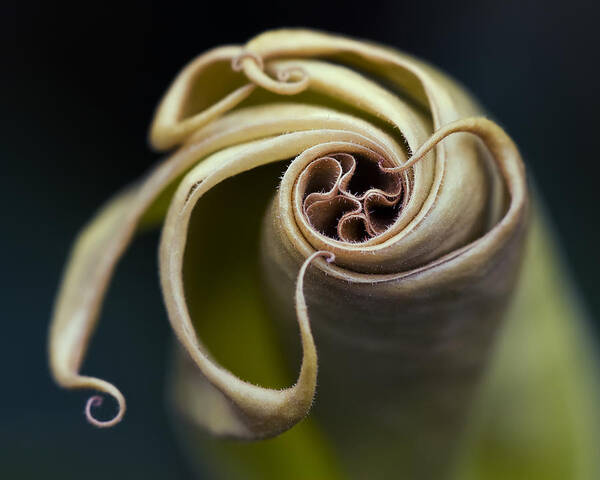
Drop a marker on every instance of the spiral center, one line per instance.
(349, 197)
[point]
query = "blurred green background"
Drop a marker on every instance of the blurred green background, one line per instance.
(79, 86)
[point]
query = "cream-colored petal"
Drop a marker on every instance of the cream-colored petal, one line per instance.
(260, 412)
(76, 310)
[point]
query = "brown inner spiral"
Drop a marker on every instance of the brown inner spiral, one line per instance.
(348, 197)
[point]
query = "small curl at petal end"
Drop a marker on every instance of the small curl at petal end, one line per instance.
(97, 401)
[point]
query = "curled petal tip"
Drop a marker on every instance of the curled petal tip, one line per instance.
(330, 257)
(236, 62)
(96, 401)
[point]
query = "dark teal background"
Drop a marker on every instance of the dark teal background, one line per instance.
(78, 89)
